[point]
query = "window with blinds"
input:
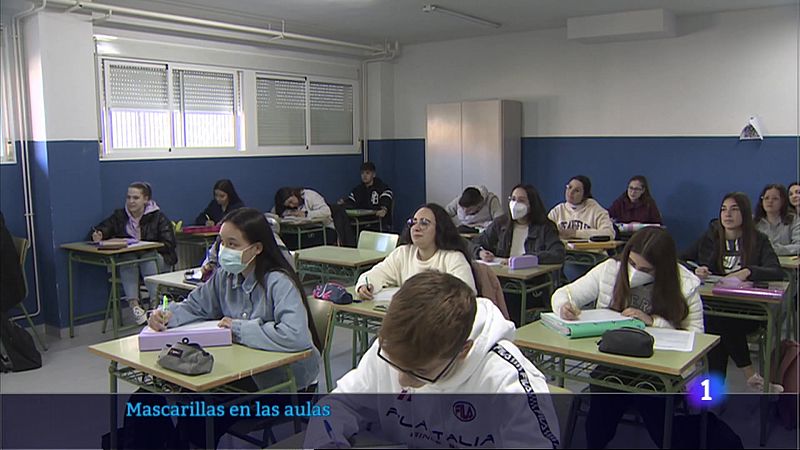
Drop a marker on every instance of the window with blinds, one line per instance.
(151, 106)
(281, 111)
(331, 113)
(7, 151)
(302, 112)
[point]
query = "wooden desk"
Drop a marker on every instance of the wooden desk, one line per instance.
(172, 280)
(301, 227)
(231, 363)
(192, 247)
(362, 217)
(665, 371)
(587, 253)
(86, 253)
(337, 263)
(768, 311)
(523, 282)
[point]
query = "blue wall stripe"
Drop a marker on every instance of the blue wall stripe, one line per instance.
(73, 189)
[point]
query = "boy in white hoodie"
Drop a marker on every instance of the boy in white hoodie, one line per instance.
(437, 338)
(580, 216)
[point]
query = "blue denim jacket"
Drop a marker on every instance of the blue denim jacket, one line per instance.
(272, 319)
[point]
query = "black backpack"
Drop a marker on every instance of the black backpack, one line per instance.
(17, 350)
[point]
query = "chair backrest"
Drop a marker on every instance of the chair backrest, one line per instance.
(22, 246)
(382, 242)
(321, 311)
(490, 286)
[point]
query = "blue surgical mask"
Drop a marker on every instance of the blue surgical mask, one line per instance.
(231, 260)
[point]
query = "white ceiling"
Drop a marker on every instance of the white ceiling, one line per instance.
(374, 21)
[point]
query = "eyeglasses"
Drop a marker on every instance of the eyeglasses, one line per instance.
(415, 375)
(635, 189)
(423, 223)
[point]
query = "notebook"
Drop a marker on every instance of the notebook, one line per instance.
(592, 322)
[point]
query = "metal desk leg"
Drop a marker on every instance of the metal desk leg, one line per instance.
(71, 299)
(210, 432)
(773, 331)
(115, 306)
(669, 409)
(112, 380)
(523, 302)
(326, 354)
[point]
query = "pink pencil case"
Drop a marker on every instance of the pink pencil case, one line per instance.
(523, 262)
(746, 289)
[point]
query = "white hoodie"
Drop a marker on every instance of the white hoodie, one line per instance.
(587, 219)
(598, 284)
(494, 365)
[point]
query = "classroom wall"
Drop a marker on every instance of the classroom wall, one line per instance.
(667, 108)
(73, 189)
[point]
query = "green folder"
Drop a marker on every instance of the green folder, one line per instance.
(582, 330)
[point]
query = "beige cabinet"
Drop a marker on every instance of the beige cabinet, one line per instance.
(472, 143)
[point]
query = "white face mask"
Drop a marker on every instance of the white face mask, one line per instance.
(518, 210)
(638, 278)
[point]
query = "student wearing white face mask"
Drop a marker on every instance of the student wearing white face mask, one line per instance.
(524, 230)
(645, 282)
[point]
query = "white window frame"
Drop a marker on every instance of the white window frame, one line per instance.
(291, 149)
(109, 153)
(8, 154)
(308, 148)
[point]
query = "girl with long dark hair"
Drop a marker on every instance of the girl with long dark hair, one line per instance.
(225, 200)
(256, 294)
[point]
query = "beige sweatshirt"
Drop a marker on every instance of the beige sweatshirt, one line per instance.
(403, 264)
(587, 219)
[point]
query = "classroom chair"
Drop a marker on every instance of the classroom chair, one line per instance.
(382, 242)
(321, 313)
(22, 246)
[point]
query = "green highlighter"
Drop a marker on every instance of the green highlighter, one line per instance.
(164, 304)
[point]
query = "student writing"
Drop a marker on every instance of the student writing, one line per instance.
(429, 241)
(733, 247)
(225, 200)
(143, 220)
(437, 337)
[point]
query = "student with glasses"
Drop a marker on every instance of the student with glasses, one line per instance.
(644, 282)
(635, 205)
(775, 218)
(734, 248)
(437, 337)
(580, 216)
(429, 241)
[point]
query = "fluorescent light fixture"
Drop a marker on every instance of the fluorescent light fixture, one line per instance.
(460, 15)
